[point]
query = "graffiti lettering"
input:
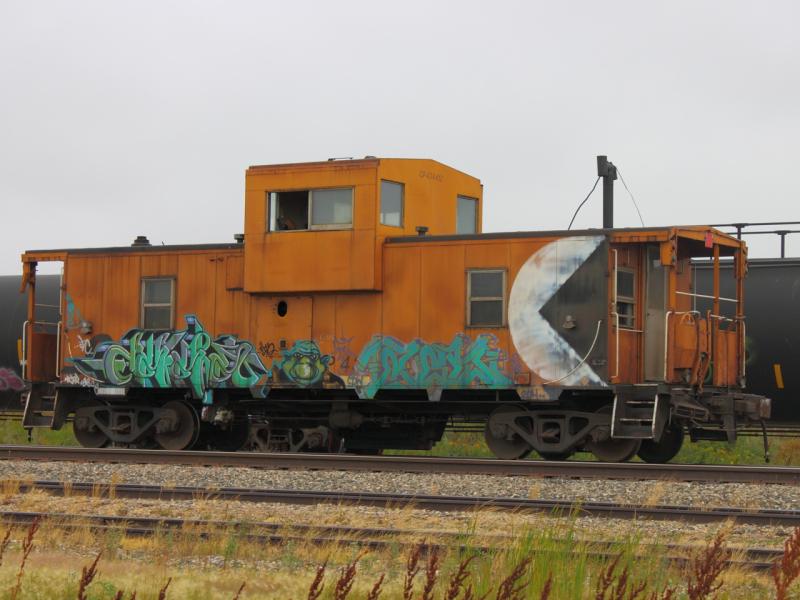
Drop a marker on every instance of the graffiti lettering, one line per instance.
(386, 362)
(342, 355)
(85, 344)
(267, 349)
(9, 380)
(186, 358)
(75, 379)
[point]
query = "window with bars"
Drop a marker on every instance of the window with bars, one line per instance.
(486, 298)
(158, 303)
(626, 298)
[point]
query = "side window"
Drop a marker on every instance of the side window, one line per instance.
(467, 215)
(300, 210)
(486, 298)
(288, 211)
(392, 203)
(158, 303)
(626, 298)
(331, 208)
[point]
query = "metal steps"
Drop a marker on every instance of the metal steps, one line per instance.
(640, 412)
(40, 404)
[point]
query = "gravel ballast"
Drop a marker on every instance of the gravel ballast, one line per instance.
(695, 494)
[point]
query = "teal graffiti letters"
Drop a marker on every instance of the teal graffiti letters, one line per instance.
(187, 358)
(388, 362)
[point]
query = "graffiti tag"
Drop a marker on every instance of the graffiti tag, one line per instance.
(342, 355)
(267, 349)
(388, 362)
(186, 358)
(9, 380)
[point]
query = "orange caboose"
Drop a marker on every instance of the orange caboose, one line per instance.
(364, 309)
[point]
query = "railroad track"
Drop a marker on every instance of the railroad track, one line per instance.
(440, 503)
(413, 464)
(266, 533)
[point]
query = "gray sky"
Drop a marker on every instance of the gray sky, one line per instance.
(127, 118)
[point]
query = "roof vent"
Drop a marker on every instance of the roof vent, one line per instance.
(421, 230)
(141, 240)
(239, 237)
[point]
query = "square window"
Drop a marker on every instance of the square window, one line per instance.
(158, 303)
(157, 317)
(467, 215)
(288, 211)
(486, 298)
(332, 207)
(392, 203)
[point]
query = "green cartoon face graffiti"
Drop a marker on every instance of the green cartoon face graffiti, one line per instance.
(303, 363)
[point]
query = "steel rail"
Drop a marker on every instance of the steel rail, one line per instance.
(761, 559)
(413, 464)
(441, 503)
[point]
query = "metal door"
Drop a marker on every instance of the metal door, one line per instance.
(655, 302)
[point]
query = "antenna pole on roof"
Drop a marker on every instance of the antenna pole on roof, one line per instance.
(608, 172)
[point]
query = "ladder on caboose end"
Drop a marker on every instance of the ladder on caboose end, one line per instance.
(639, 412)
(40, 406)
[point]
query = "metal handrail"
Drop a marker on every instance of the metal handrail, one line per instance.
(734, 300)
(615, 314)
(58, 349)
(24, 360)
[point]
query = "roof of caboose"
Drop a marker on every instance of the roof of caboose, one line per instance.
(367, 161)
(622, 234)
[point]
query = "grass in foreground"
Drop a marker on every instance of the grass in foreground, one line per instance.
(52, 561)
(12, 432)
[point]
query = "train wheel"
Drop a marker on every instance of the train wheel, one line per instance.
(613, 450)
(501, 440)
(86, 432)
(606, 449)
(181, 433)
(665, 449)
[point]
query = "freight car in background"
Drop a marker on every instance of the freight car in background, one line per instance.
(772, 301)
(364, 309)
(13, 313)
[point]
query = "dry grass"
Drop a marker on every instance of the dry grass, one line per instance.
(545, 560)
(788, 452)
(507, 575)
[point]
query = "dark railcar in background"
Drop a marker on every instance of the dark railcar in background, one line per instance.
(772, 306)
(13, 312)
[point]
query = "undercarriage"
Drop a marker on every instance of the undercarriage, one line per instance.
(650, 421)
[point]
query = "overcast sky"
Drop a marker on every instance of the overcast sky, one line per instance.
(127, 118)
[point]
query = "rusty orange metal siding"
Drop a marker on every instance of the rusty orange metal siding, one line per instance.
(348, 258)
(424, 297)
(343, 287)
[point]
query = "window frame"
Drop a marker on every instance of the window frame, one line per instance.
(477, 213)
(402, 203)
(271, 211)
(503, 299)
(143, 305)
(621, 299)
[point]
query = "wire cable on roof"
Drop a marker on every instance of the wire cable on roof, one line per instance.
(622, 179)
(582, 203)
